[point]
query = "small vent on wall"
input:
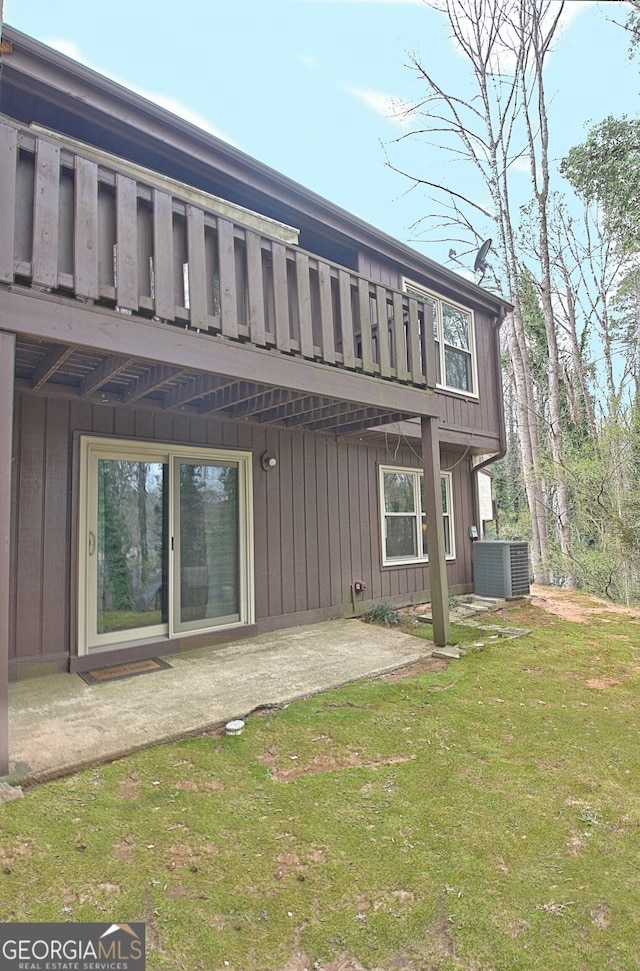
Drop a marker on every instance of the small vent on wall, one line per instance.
(501, 569)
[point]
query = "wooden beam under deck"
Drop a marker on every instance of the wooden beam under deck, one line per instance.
(109, 369)
(265, 401)
(229, 395)
(193, 389)
(153, 380)
(50, 363)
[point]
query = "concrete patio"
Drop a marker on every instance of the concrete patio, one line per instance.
(60, 723)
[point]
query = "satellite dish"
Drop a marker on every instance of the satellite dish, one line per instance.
(480, 265)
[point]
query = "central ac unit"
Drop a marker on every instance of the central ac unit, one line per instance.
(501, 569)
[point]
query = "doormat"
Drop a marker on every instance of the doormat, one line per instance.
(119, 671)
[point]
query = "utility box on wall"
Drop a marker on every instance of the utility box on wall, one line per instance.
(501, 569)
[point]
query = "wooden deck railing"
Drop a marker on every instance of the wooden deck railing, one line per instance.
(76, 227)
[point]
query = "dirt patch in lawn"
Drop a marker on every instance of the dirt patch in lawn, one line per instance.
(423, 666)
(324, 762)
(578, 607)
(601, 684)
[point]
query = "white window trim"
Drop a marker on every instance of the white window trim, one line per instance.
(418, 514)
(137, 450)
(419, 289)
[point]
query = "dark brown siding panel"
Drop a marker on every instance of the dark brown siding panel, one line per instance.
(286, 526)
(365, 467)
(324, 524)
(300, 549)
(343, 521)
(377, 590)
(125, 423)
(144, 424)
(260, 518)
(311, 522)
(333, 505)
(29, 523)
(56, 531)
(371, 265)
(355, 571)
(103, 420)
(270, 546)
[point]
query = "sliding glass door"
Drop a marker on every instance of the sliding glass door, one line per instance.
(130, 545)
(165, 541)
(207, 536)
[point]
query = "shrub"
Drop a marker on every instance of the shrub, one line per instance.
(382, 613)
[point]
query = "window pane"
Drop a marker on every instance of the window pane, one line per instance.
(131, 591)
(455, 325)
(209, 548)
(434, 312)
(398, 492)
(445, 509)
(445, 502)
(401, 537)
(438, 364)
(447, 536)
(458, 369)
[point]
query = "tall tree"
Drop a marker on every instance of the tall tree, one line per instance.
(605, 169)
(503, 121)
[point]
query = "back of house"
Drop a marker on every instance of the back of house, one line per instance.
(228, 406)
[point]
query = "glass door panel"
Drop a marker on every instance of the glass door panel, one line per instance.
(165, 542)
(130, 551)
(206, 544)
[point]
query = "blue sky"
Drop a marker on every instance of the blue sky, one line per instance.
(304, 85)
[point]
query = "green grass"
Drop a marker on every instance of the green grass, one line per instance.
(485, 817)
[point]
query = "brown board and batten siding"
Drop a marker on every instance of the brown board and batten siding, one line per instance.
(316, 520)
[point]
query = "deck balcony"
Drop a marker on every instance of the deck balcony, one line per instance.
(330, 349)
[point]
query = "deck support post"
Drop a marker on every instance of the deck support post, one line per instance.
(435, 531)
(7, 371)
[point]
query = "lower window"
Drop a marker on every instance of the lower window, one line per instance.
(165, 541)
(403, 520)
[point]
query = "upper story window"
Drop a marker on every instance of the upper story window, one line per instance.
(454, 335)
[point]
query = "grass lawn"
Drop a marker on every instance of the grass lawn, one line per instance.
(481, 815)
